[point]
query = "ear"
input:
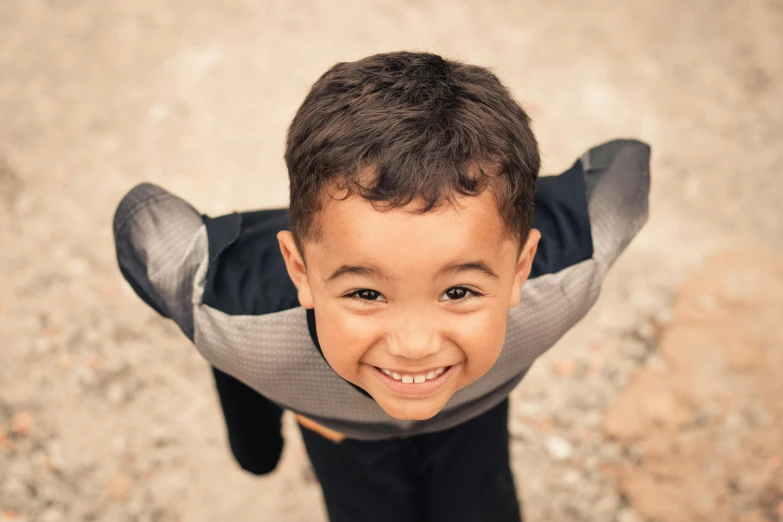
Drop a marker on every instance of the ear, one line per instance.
(524, 264)
(296, 267)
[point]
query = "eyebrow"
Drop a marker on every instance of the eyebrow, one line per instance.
(372, 271)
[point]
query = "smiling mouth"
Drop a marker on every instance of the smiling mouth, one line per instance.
(418, 378)
(406, 384)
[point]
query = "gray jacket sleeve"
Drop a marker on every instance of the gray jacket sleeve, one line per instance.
(159, 240)
(614, 182)
(617, 182)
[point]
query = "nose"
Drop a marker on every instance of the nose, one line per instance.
(413, 336)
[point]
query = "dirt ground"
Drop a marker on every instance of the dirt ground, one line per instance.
(665, 403)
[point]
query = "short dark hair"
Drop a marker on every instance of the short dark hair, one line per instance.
(426, 128)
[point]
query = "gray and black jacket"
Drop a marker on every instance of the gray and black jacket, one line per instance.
(224, 282)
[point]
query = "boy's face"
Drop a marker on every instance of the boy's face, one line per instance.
(409, 295)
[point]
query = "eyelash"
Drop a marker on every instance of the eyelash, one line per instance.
(471, 294)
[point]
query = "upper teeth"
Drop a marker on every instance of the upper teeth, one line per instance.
(418, 379)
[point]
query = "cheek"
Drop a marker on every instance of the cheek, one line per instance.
(482, 341)
(343, 341)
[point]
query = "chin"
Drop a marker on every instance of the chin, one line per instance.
(411, 410)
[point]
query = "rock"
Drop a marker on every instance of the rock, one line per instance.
(6, 444)
(611, 452)
(15, 493)
(591, 419)
(634, 349)
(568, 506)
(663, 318)
(52, 515)
(21, 468)
(39, 459)
(119, 444)
(590, 488)
(563, 418)
(78, 266)
(54, 450)
(51, 493)
(22, 423)
(572, 477)
(120, 487)
(771, 497)
(656, 362)
(558, 447)
(43, 345)
(591, 464)
(646, 300)
(85, 376)
(115, 393)
(158, 112)
(606, 506)
(528, 408)
(628, 515)
(647, 331)
(544, 423)
(564, 368)
(9, 515)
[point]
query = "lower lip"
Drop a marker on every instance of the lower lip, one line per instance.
(428, 387)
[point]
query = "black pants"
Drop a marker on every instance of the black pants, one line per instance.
(457, 475)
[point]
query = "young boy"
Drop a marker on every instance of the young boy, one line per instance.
(420, 269)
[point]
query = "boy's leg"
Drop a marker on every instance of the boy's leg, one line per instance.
(253, 424)
(365, 481)
(465, 471)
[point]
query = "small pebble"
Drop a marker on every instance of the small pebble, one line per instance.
(15, 492)
(656, 362)
(22, 423)
(646, 331)
(52, 515)
(564, 367)
(78, 266)
(119, 444)
(120, 487)
(607, 505)
(158, 113)
(558, 447)
(628, 515)
(116, 393)
(528, 408)
(571, 477)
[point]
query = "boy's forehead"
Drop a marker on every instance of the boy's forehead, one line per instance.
(352, 227)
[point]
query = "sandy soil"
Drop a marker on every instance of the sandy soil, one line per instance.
(663, 404)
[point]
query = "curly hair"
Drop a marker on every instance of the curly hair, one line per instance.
(404, 126)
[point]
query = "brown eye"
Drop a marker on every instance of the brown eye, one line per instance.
(364, 296)
(461, 293)
(457, 293)
(368, 295)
